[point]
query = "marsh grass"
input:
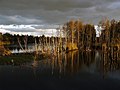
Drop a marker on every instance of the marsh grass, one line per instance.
(20, 59)
(16, 59)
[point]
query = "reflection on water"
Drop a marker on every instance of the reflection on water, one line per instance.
(109, 63)
(67, 71)
(17, 49)
(76, 61)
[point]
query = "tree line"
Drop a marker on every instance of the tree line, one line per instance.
(84, 35)
(73, 35)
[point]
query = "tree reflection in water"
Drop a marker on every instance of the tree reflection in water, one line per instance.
(76, 61)
(109, 62)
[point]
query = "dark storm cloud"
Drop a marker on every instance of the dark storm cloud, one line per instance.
(56, 11)
(17, 19)
(44, 4)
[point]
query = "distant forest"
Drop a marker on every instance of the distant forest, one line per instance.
(77, 35)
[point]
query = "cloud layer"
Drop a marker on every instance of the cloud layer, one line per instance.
(28, 30)
(48, 12)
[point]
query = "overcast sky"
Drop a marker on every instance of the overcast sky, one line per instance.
(46, 14)
(56, 11)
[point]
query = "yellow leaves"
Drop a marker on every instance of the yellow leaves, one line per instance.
(72, 25)
(6, 52)
(72, 46)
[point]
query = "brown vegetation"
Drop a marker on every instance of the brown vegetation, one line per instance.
(84, 35)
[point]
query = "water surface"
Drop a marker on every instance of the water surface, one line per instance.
(72, 71)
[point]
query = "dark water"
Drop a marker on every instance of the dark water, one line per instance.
(71, 71)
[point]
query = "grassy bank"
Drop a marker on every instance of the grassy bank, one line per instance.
(20, 59)
(16, 59)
